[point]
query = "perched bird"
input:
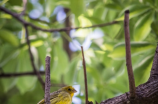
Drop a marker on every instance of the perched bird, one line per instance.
(62, 96)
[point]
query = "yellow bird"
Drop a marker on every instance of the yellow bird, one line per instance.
(62, 96)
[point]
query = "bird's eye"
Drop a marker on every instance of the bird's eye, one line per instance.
(69, 89)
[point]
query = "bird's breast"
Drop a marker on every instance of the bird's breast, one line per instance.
(66, 98)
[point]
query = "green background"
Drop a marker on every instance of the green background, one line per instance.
(105, 53)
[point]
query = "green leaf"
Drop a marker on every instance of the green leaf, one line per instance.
(30, 6)
(121, 81)
(25, 83)
(94, 74)
(8, 83)
(64, 3)
(143, 27)
(10, 67)
(80, 78)
(15, 2)
(77, 6)
(115, 27)
(8, 53)
(71, 73)
(151, 2)
(12, 25)
(61, 61)
(50, 7)
(42, 25)
(155, 27)
(113, 6)
(135, 10)
(5, 16)
(95, 46)
(42, 53)
(142, 68)
(37, 42)
(136, 48)
(99, 14)
(3, 2)
(118, 53)
(7, 36)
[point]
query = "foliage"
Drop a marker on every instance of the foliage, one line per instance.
(104, 46)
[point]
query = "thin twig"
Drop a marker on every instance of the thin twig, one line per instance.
(31, 57)
(8, 75)
(24, 8)
(128, 56)
(47, 80)
(85, 76)
(16, 16)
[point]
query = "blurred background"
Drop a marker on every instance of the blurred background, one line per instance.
(104, 47)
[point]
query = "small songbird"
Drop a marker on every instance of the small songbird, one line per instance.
(62, 96)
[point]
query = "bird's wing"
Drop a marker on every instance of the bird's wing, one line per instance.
(53, 96)
(60, 97)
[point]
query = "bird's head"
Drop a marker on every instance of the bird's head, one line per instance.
(69, 89)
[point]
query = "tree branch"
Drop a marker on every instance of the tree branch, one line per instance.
(16, 16)
(128, 56)
(47, 80)
(85, 76)
(31, 57)
(147, 93)
(8, 75)
(154, 69)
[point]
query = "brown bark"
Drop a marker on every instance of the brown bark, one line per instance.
(22, 21)
(146, 93)
(85, 76)
(47, 80)
(128, 56)
(8, 75)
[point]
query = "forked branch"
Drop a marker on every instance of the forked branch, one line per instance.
(32, 58)
(17, 17)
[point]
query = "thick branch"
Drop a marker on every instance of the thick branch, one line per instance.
(31, 57)
(85, 76)
(147, 93)
(16, 16)
(47, 81)
(154, 69)
(128, 56)
(8, 75)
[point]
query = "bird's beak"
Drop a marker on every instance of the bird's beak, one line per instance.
(74, 91)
